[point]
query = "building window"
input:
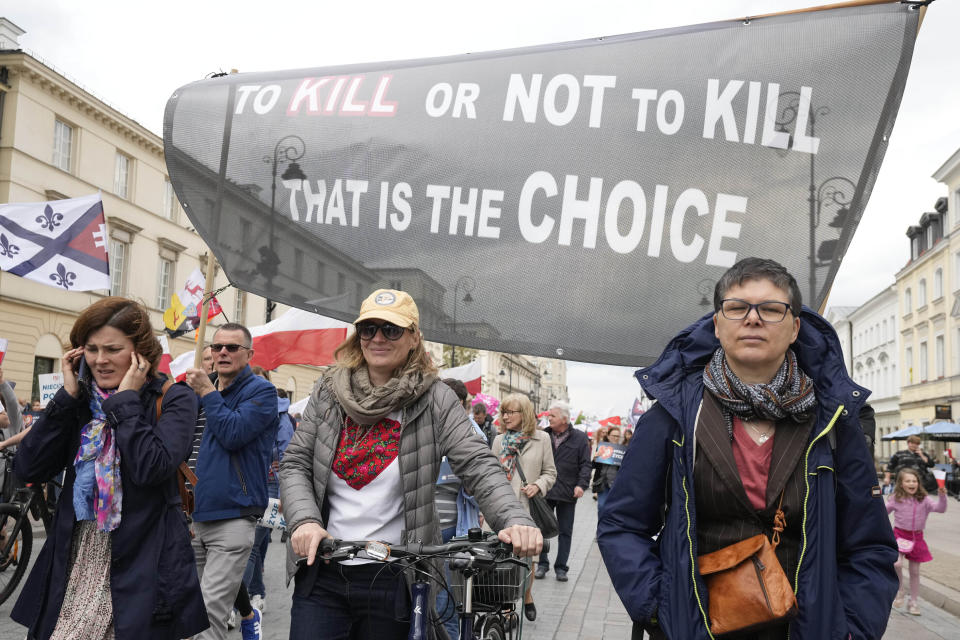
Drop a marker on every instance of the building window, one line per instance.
(121, 176)
(908, 364)
(238, 306)
(62, 145)
(118, 261)
(938, 356)
(907, 301)
(922, 293)
(164, 283)
(938, 284)
(169, 201)
(923, 361)
(341, 284)
(321, 278)
(298, 264)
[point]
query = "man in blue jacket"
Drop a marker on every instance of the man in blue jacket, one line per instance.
(242, 421)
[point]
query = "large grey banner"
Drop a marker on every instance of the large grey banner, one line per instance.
(576, 200)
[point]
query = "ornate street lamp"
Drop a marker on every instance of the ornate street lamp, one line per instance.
(286, 150)
(467, 284)
(835, 191)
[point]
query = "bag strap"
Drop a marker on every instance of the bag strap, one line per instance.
(185, 472)
(519, 469)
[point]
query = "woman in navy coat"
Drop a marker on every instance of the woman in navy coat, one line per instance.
(117, 562)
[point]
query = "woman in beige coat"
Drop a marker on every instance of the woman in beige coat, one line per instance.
(523, 442)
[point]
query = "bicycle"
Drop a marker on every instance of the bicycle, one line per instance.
(488, 580)
(16, 532)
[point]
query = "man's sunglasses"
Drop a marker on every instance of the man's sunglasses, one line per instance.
(367, 330)
(232, 348)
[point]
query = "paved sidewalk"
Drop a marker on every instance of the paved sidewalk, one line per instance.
(587, 607)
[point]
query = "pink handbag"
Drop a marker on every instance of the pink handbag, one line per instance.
(904, 545)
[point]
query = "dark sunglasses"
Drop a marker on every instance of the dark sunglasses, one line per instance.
(232, 348)
(367, 330)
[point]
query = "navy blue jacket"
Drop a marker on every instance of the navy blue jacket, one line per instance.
(845, 582)
(235, 451)
(153, 575)
(573, 462)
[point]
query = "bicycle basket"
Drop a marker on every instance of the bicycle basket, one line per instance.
(494, 587)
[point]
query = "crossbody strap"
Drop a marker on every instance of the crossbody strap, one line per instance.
(185, 471)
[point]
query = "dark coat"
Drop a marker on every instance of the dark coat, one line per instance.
(572, 458)
(153, 575)
(845, 582)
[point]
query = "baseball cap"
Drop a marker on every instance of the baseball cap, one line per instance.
(390, 305)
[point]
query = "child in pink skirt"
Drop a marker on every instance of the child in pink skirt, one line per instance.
(910, 506)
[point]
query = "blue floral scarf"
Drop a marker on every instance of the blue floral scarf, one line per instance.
(97, 492)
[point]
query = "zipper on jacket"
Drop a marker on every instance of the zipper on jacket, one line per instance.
(806, 495)
(236, 467)
(693, 563)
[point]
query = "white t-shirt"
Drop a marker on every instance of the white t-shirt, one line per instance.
(373, 512)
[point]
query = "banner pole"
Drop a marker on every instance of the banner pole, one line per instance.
(202, 328)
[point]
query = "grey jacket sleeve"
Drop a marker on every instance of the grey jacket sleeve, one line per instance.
(13, 408)
(474, 463)
(300, 502)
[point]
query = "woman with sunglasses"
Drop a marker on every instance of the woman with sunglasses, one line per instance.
(524, 445)
(755, 431)
(362, 466)
(117, 562)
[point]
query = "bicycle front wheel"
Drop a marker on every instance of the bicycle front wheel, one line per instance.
(492, 630)
(14, 553)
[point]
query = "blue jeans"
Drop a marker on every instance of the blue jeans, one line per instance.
(344, 602)
(253, 574)
(446, 607)
(565, 512)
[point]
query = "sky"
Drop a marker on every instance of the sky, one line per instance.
(135, 55)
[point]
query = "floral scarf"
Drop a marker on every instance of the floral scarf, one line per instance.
(97, 491)
(364, 452)
(789, 394)
(513, 444)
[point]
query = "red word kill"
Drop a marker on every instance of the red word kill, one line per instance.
(342, 95)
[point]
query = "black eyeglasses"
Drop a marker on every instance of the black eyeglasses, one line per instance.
(769, 311)
(232, 348)
(507, 412)
(367, 330)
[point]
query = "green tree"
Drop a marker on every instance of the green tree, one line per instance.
(465, 355)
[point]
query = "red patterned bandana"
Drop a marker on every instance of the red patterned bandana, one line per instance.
(364, 452)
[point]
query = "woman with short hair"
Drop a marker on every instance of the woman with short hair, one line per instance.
(754, 433)
(117, 562)
(523, 444)
(362, 466)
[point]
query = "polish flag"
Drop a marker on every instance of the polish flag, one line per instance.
(613, 420)
(469, 374)
(3, 348)
(297, 337)
(165, 359)
(179, 366)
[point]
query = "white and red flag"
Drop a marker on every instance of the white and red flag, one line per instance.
(3, 348)
(61, 243)
(297, 337)
(469, 374)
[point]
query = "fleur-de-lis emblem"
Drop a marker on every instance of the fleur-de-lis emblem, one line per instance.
(7, 248)
(49, 220)
(63, 277)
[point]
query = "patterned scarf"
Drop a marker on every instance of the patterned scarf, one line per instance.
(97, 491)
(513, 444)
(789, 394)
(363, 453)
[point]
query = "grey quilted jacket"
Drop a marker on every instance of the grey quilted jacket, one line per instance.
(433, 426)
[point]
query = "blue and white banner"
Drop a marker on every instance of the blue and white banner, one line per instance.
(62, 243)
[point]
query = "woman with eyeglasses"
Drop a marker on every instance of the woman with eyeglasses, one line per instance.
(362, 466)
(522, 444)
(604, 468)
(117, 561)
(754, 437)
